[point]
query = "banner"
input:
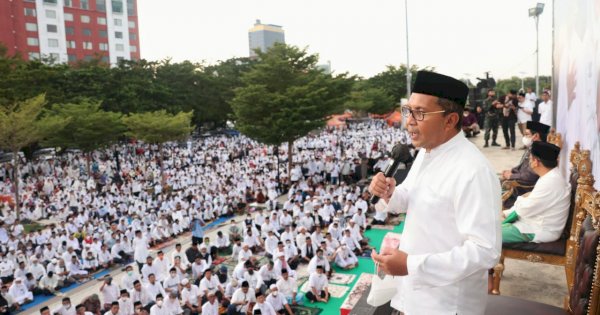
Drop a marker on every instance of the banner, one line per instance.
(576, 72)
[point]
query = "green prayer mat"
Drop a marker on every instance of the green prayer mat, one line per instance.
(365, 265)
(305, 310)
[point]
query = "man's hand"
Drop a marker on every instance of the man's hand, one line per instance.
(382, 186)
(391, 261)
(506, 174)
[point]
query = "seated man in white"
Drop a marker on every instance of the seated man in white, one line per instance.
(540, 217)
(345, 258)
(19, 292)
(318, 291)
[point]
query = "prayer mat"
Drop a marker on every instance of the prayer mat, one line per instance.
(341, 278)
(219, 261)
(336, 291)
(301, 273)
(305, 310)
(361, 287)
(383, 227)
(366, 253)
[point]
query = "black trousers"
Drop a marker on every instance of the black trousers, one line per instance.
(508, 129)
(312, 297)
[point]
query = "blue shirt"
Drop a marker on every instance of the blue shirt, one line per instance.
(197, 230)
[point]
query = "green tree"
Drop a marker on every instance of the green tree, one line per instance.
(22, 124)
(364, 99)
(503, 86)
(393, 80)
(89, 127)
(159, 127)
(285, 96)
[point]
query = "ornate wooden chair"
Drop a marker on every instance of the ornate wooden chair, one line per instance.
(557, 252)
(583, 269)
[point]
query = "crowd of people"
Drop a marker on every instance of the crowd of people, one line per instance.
(111, 212)
(515, 108)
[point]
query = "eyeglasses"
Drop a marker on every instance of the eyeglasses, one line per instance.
(418, 114)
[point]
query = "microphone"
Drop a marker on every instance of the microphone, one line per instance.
(400, 154)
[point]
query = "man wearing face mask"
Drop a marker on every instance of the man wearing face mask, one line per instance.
(540, 216)
(158, 308)
(522, 173)
(278, 301)
(110, 292)
(469, 123)
(128, 279)
(66, 308)
(125, 304)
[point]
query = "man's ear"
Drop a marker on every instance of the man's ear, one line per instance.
(451, 121)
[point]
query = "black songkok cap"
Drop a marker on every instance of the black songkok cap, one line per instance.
(538, 127)
(442, 86)
(545, 151)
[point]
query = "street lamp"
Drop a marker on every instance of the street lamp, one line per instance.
(535, 12)
(522, 73)
(408, 73)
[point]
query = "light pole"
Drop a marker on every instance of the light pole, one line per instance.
(408, 73)
(535, 13)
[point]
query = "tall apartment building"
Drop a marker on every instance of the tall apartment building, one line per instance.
(71, 30)
(263, 36)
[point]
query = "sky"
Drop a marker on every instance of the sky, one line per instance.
(461, 38)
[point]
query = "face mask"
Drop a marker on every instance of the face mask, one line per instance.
(466, 114)
(130, 273)
(67, 306)
(274, 293)
(159, 303)
(173, 275)
(527, 141)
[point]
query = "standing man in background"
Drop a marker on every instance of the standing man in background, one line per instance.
(492, 119)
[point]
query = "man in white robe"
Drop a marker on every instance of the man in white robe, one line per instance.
(540, 216)
(452, 232)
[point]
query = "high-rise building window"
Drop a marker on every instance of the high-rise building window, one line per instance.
(71, 44)
(30, 12)
(52, 42)
(72, 58)
(131, 24)
(54, 57)
(34, 56)
(69, 30)
(119, 59)
(119, 47)
(103, 33)
(87, 32)
(118, 34)
(50, 1)
(68, 3)
(87, 45)
(133, 48)
(117, 6)
(84, 4)
(101, 5)
(103, 46)
(102, 21)
(51, 14)
(132, 36)
(104, 59)
(130, 8)
(51, 28)
(32, 27)
(85, 19)
(87, 58)
(32, 41)
(68, 17)
(118, 22)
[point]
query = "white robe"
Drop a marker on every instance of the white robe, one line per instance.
(452, 230)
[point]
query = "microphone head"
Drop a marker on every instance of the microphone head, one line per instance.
(401, 152)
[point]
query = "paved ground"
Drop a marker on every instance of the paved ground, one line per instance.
(537, 282)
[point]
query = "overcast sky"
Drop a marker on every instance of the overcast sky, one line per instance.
(462, 38)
